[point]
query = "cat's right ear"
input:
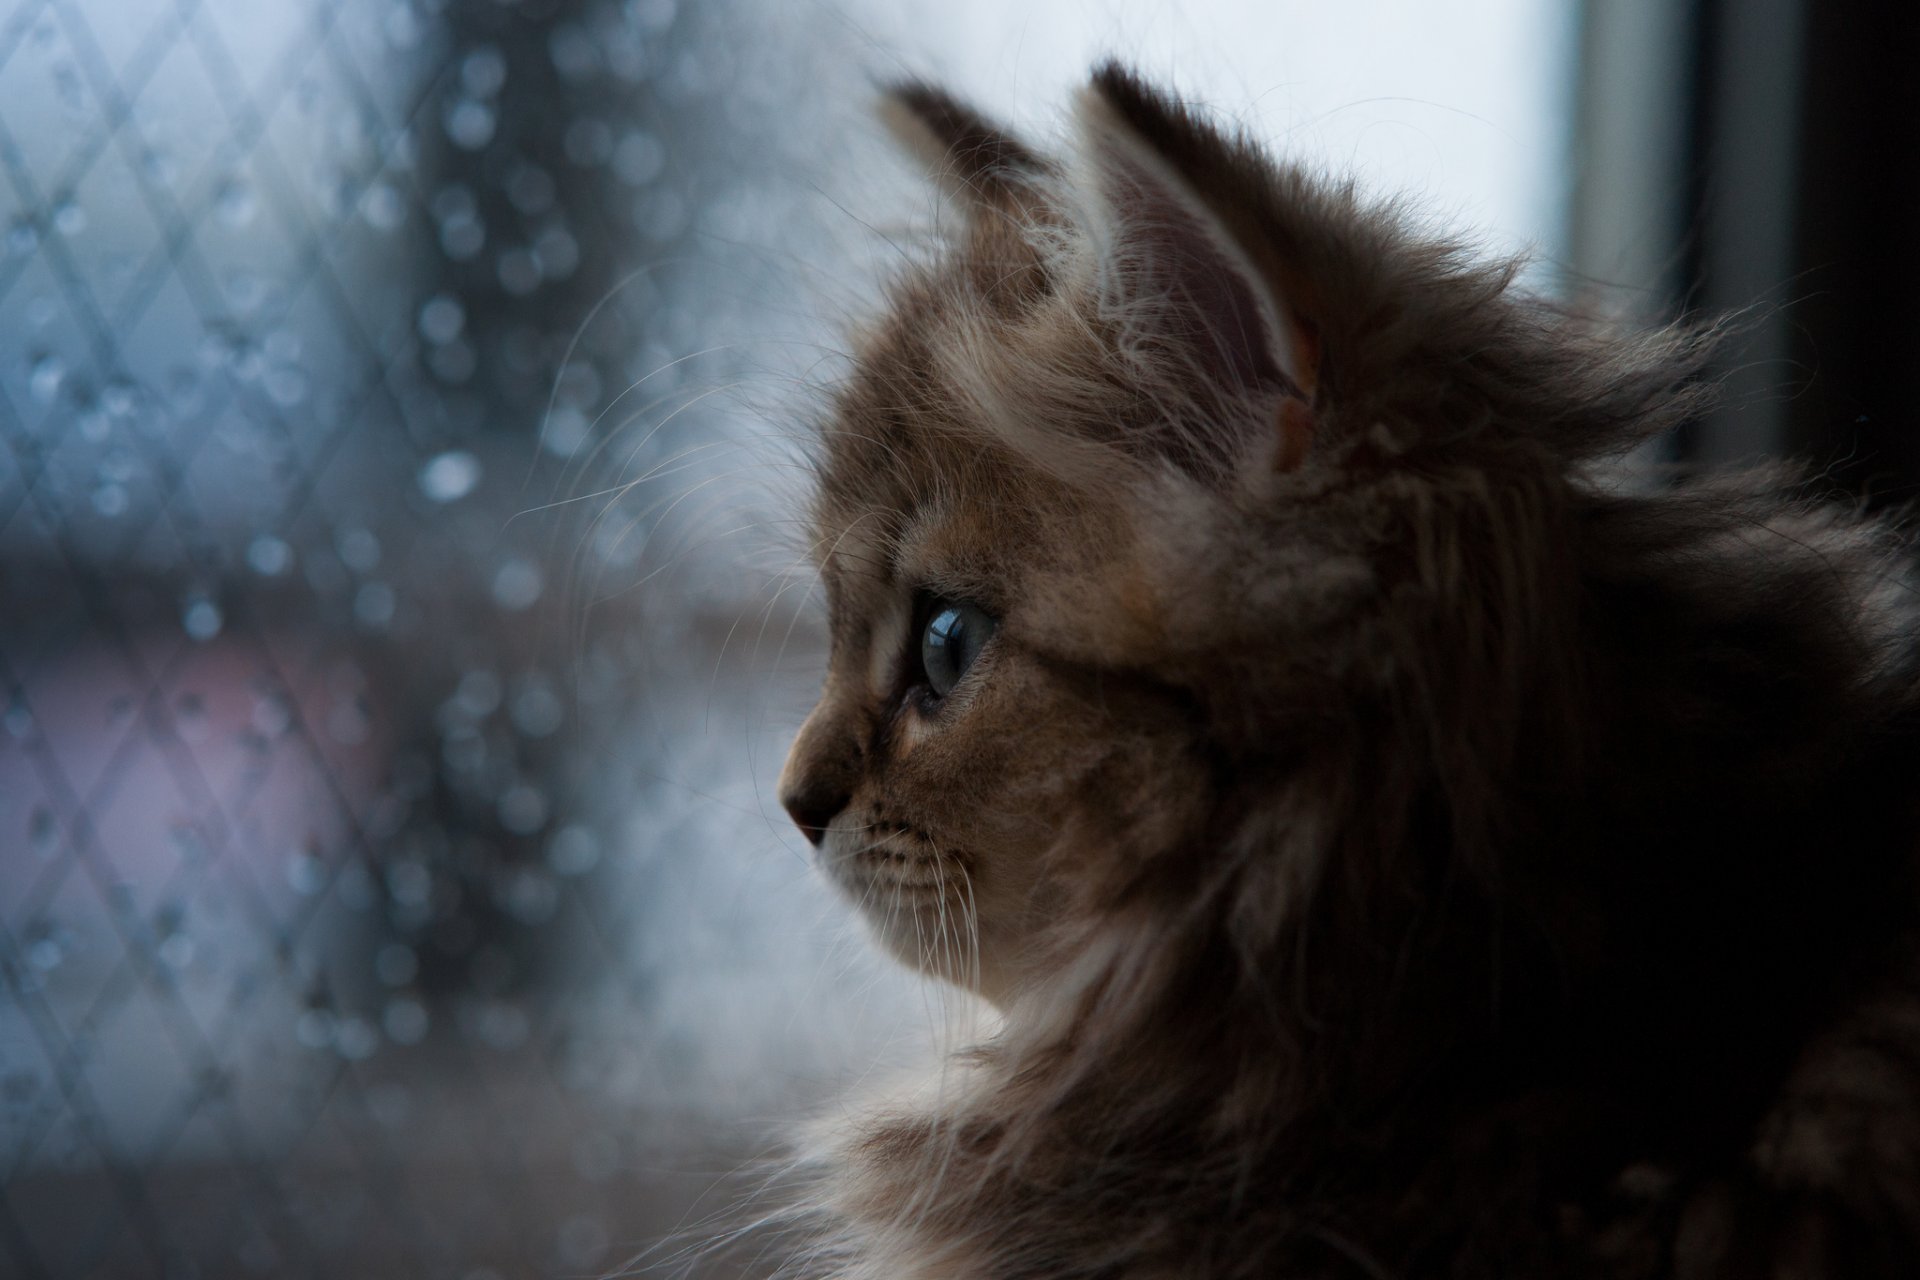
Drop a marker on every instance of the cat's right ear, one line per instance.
(1177, 262)
(975, 161)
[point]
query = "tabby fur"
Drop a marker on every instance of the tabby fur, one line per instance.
(1397, 843)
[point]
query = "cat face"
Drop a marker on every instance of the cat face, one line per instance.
(1174, 467)
(965, 746)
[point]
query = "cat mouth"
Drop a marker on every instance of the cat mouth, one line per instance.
(886, 856)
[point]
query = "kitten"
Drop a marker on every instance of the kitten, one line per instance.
(1396, 848)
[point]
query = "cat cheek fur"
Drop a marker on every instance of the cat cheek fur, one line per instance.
(1025, 820)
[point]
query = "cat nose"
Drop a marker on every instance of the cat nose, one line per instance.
(812, 808)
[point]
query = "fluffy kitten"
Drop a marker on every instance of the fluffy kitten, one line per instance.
(1396, 849)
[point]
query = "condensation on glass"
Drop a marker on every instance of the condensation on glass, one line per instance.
(364, 440)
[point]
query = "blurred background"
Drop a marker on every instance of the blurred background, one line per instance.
(401, 616)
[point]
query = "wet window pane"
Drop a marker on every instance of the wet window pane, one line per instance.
(401, 606)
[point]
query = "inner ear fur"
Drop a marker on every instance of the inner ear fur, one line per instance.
(1181, 248)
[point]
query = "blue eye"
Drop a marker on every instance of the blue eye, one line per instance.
(953, 638)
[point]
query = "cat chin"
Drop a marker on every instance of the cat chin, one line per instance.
(927, 936)
(917, 908)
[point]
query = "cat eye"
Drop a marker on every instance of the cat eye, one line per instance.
(953, 637)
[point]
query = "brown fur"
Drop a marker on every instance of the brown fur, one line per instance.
(1396, 848)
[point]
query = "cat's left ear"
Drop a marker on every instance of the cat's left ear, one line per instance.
(1181, 266)
(974, 160)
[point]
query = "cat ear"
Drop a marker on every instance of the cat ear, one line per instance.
(1174, 264)
(974, 161)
